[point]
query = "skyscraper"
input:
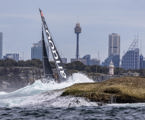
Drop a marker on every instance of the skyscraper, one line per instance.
(131, 59)
(142, 62)
(113, 50)
(114, 44)
(77, 31)
(36, 51)
(114, 58)
(1, 46)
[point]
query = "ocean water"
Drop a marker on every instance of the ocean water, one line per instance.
(42, 101)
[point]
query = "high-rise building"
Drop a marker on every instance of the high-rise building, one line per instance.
(77, 31)
(131, 59)
(87, 58)
(1, 45)
(114, 58)
(114, 44)
(142, 62)
(36, 51)
(13, 56)
(113, 50)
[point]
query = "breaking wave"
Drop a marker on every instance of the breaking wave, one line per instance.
(49, 93)
(3, 93)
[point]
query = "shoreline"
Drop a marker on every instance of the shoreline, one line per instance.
(117, 90)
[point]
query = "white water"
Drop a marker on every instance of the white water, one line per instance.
(47, 94)
(3, 93)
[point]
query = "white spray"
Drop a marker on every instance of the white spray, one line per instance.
(39, 92)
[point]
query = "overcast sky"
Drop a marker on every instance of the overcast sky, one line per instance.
(21, 24)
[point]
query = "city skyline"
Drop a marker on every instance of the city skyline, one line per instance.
(21, 25)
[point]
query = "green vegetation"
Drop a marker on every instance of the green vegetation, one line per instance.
(78, 66)
(119, 90)
(71, 67)
(13, 63)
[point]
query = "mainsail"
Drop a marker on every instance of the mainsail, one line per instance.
(55, 54)
(48, 73)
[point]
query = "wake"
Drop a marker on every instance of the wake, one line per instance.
(39, 93)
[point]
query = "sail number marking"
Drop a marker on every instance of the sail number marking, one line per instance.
(62, 73)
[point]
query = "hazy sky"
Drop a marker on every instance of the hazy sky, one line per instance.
(21, 24)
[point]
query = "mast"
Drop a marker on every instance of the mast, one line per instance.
(55, 54)
(48, 73)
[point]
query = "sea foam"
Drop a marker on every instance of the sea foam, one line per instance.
(39, 92)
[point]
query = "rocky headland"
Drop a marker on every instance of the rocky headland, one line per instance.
(12, 78)
(117, 90)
